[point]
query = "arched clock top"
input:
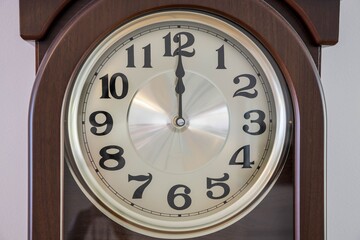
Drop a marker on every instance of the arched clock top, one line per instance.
(37, 17)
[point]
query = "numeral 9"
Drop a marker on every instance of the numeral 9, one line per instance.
(108, 122)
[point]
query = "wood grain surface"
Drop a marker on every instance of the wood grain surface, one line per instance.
(321, 17)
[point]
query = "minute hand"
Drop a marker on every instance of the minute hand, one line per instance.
(180, 87)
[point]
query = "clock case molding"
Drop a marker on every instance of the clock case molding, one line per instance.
(293, 31)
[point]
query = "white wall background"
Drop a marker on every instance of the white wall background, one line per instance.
(341, 83)
(17, 62)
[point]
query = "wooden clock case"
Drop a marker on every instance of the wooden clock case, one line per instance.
(293, 31)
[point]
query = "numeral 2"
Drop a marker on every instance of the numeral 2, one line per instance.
(243, 91)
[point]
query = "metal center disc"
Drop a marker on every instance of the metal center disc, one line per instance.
(172, 144)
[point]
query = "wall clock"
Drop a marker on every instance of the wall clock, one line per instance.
(168, 119)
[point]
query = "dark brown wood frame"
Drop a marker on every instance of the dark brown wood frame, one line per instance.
(293, 34)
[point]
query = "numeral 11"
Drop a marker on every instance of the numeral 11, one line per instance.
(131, 56)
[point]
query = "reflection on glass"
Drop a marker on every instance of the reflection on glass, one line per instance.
(91, 224)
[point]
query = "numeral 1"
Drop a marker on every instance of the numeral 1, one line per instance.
(167, 40)
(147, 56)
(221, 58)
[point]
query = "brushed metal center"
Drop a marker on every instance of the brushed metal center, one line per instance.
(178, 147)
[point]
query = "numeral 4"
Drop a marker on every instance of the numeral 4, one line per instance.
(246, 162)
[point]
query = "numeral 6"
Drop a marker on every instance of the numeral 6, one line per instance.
(185, 197)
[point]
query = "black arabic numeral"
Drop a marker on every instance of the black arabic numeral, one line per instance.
(140, 178)
(172, 195)
(147, 56)
(113, 92)
(246, 162)
(167, 40)
(221, 58)
(243, 91)
(105, 86)
(94, 120)
(218, 182)
(190, 39)
(259, 121)
(131, 56)
(110, 155)
(189, 42)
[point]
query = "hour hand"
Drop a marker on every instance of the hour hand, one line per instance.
(180, 73)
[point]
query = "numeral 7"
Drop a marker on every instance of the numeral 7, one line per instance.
(140, 190)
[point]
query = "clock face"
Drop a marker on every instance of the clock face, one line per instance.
(177, 124)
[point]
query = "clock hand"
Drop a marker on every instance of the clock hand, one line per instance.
(180, 88)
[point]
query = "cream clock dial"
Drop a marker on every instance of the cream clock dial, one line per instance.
(177, 124)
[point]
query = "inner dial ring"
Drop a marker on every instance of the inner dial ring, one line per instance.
(158, 138)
